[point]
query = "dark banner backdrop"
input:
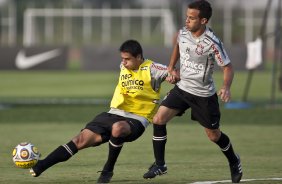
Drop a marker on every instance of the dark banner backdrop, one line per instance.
(34, 58)
(93, 57)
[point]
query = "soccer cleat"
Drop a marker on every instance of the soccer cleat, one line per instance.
(236, 171)
(155, 170)
(35, 171)
(31, 171)
(105, 177)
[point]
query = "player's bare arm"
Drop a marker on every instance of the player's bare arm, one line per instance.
(174, 75)
(228, 74)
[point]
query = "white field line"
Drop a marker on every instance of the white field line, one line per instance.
(229, 181)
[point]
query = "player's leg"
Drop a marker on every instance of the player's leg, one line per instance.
(119, 131)
(206, 111)
(84, 139)
(122, 131)
(171, 106)
(163, 115)
(223, 141)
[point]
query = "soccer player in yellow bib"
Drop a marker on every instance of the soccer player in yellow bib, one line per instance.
(134, 103)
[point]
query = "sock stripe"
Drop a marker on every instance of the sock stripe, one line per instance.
(159, 138)
(227, 147)
(68, 149)
(115, 145)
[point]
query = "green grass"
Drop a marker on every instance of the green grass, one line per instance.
(78, 84)
(190, 156)
(56, 84)
(255, 132)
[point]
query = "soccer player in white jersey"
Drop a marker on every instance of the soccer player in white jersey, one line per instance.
(134, 103)
(198, 50)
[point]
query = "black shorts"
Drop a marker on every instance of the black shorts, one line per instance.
(102, 124)
(205, 110)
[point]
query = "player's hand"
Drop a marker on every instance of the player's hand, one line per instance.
(173, 77)
(224, 94)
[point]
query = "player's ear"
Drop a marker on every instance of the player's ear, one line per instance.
(139, 57)
(204, 21)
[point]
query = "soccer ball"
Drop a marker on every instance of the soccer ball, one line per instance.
(25, 155)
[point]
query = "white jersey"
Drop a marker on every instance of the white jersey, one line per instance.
(197, 59)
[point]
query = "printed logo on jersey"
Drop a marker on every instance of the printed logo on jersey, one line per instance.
(159, 67)
(130, 83)
(144, 68)
(187, 49)
(192, 66)
(200, 49)
(217, 54)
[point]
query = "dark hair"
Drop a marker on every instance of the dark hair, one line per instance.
(133, 47)
(203, 6)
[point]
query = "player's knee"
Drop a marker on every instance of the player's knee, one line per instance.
(79, 142)
(213, 138)
(158, 120)
(120, 129)
(83, 141)
(213, 135)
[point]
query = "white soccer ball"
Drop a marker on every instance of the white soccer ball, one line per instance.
(25, 155)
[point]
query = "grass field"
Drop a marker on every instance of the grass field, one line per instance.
(255, 132)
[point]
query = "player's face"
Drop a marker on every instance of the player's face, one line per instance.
(193, 22)
(130, 62)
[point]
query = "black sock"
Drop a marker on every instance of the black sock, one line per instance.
(227, 149)
(115, 146)
(159, 141)
(61, 154)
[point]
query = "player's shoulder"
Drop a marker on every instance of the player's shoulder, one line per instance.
(210, 35)
(183, 31)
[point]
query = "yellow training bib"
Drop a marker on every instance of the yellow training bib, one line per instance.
(134, 92)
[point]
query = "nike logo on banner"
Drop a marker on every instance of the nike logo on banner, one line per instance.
(25, 62)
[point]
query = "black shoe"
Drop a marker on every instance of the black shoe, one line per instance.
(105, 177)
(155, 170)
(236, 171)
